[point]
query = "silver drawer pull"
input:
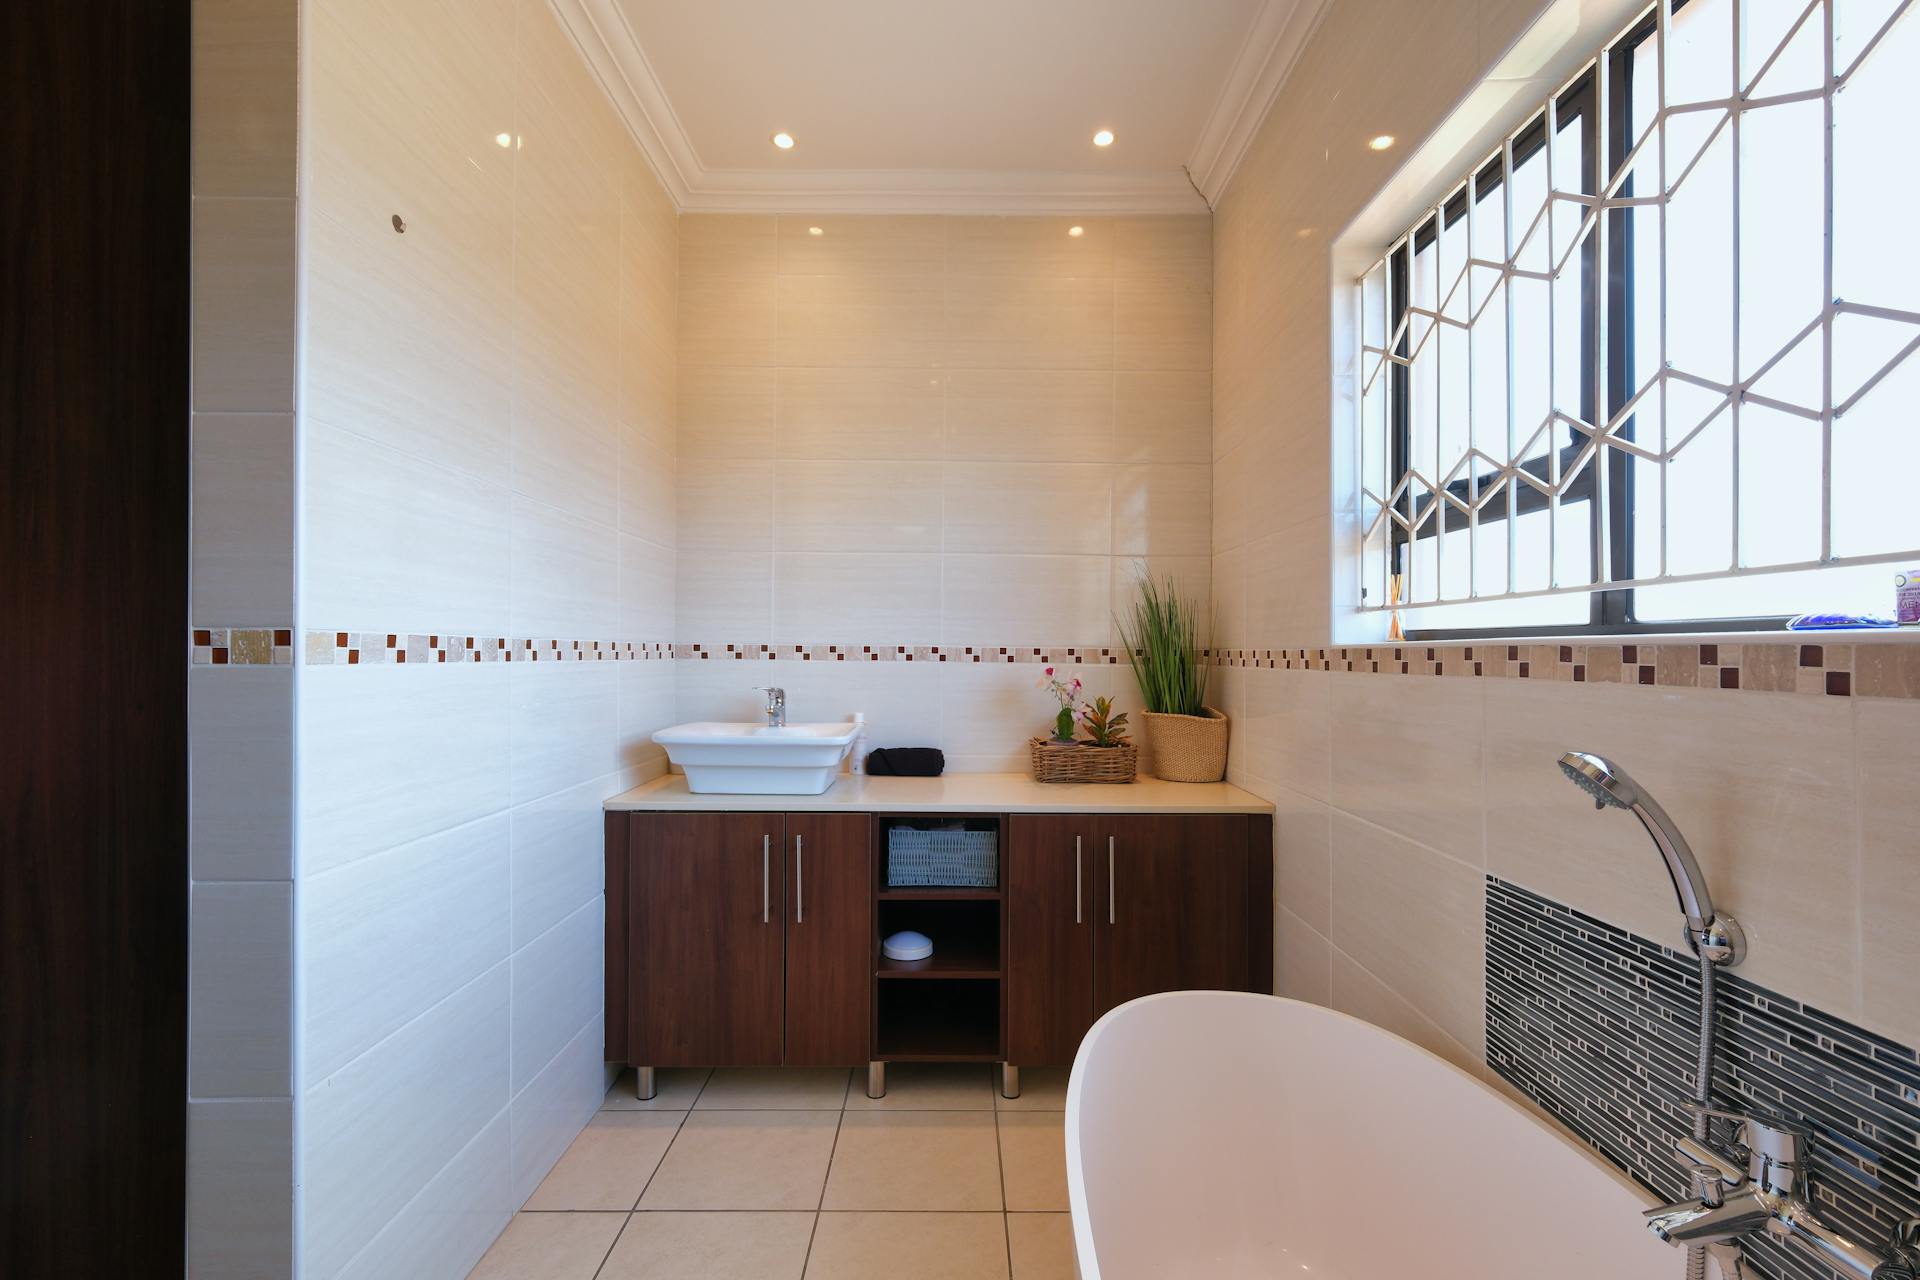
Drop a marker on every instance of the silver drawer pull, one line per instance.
(1112, 884)
(799, 883)
(766, 879)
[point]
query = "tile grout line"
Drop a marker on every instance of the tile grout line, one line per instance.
(820, 1204)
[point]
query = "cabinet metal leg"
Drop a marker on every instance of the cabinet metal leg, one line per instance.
(644, 1087)
(876, 1079)
(1009, 1080)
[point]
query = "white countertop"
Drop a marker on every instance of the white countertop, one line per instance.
(958, 793)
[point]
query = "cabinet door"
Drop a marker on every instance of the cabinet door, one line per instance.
(706, 910)
(829, 940)
(1171, 911)
(1049, 900)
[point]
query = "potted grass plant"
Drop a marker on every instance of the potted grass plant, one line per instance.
(1182, 738)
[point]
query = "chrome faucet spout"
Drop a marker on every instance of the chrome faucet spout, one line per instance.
(776, 705)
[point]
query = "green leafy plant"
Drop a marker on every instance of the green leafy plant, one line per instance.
(1164, 644)
(1104, 727)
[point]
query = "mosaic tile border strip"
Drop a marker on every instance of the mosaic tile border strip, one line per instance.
(1886, 670)
(240, 646)
(376, 648)
(1061, 656)
(1597, 1025)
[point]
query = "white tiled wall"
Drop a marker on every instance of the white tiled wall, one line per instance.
(1396, 795)
(488, 449)
(925, 430)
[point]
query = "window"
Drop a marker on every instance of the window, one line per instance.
(1652, 364)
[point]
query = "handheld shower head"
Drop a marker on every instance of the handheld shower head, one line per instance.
(1613, 787)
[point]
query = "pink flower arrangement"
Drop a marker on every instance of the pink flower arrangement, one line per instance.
(1067, 694)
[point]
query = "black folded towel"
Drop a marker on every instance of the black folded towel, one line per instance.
(906, 762)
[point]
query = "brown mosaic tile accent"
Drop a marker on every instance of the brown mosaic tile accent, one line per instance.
(240, 646)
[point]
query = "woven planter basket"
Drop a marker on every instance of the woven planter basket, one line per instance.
(1187, 748)
(1078, 762)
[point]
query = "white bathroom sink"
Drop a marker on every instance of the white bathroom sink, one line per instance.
(742, 758)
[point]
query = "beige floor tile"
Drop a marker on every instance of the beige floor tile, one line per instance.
(746, 1160)
(675, 1090)
(929, 1086)
(711, 1246)
(915, 1160)
(775, 1089)
(924, 1246)
(550, 1246)
(1041, 1089)
(1033, 1157)
(1042, 1246)
(609, 1163)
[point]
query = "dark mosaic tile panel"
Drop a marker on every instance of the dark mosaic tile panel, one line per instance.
(1599, 1027)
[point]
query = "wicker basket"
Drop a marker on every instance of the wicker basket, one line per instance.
(1078, 762)
(1188, 748)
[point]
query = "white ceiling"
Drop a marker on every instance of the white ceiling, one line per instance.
(903, 104)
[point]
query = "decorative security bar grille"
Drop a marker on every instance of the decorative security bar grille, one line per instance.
(1663, 334)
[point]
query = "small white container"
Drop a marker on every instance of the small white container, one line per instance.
(907, 945)
(857, 762)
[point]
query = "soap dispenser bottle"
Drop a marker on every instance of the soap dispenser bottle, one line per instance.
(858, 763)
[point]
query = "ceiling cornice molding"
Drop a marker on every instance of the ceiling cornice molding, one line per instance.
(614, 54)
(1273, 46)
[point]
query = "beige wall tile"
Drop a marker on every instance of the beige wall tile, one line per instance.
(245, 94)
(243, 305)
(868, 245)
(1162, 417)
(1164, 245)
(1285, 730)
(994, 415)
(1039, 599)
(873, 321)
(726, 413)
(1028, 507)
(1028, 247)
(1162, 323)
(728, 244)
(1407, 756)
(1416, 920)
(1303, 960)
(649, 503)
(856, 598)
(856, 506)
(723, 597)
(1029, 322)
(566, 574)
(726, 504)
(724, 319)
(1761, 785)
(1163, 509)
(1303, 858)
(1888, 742)
(1365, 996)
(864, 414)
(243, 484)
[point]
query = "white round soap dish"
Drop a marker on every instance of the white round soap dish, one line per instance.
(907, 945)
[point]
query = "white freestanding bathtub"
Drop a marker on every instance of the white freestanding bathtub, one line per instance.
(1217, 1134)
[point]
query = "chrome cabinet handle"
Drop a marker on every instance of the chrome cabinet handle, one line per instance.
(766, 879)
(799, 883)
(1111, 883)
(1076, 880)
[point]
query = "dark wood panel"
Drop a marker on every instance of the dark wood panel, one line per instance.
(706, 905)
(1260, 903)
(616, 1035)
(1172, 915)
(829, 940)
(1049, 961)
(94, 245)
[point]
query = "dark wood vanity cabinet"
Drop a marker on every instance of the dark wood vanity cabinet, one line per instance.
(1102, 909)
(752, 939)
(738, 939)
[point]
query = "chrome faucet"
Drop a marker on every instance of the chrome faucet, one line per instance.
(776, 706)
(1768, 1194)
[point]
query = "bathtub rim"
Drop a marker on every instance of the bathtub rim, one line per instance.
(1084, 1255)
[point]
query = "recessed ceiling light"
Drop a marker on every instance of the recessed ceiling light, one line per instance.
(504, 139)
(1382, 142)
(1076, 231)
(783, 140)
(815, 231)
(1104, 138)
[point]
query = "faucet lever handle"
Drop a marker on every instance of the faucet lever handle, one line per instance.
(1708, 1162)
